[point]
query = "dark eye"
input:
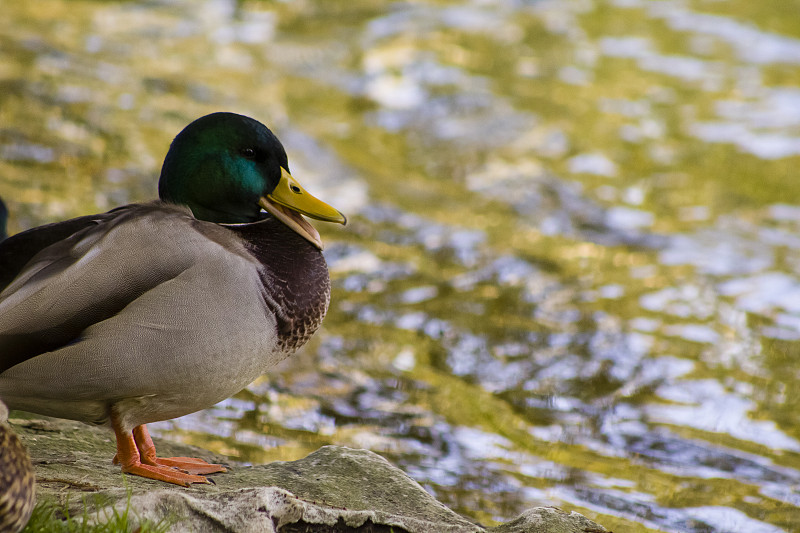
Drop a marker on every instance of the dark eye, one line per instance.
(249, 153)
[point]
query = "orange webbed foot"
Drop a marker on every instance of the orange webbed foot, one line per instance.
(189, 464)
(164, 473)
(136, 453)
(147, 451)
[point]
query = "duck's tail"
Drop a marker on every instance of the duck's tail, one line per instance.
(3, 219)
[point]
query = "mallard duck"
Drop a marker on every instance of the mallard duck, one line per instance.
(17, 487)
(152, 311)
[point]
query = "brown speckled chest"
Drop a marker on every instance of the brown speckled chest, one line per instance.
(295, 279)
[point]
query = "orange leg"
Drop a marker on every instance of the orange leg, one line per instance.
(147, 451)
(128, 457)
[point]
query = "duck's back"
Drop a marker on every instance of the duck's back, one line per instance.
(17, 250)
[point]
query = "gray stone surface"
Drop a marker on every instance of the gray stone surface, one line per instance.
(549, 520)
(334, 489)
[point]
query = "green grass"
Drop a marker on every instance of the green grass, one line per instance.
(50, 517)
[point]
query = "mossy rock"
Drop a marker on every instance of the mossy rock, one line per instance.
(334, 489)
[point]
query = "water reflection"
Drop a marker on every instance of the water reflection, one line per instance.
(572, 269)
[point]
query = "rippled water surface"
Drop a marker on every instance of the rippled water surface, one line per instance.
(572, 275)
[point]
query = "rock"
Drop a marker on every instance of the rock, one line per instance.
(334, 489)
(549, 520)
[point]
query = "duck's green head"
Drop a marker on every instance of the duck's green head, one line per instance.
(227, 167)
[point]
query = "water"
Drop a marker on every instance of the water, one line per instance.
(572, 275)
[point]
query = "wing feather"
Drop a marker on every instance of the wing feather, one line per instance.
(91, 274)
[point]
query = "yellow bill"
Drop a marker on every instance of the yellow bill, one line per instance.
(289, 202)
